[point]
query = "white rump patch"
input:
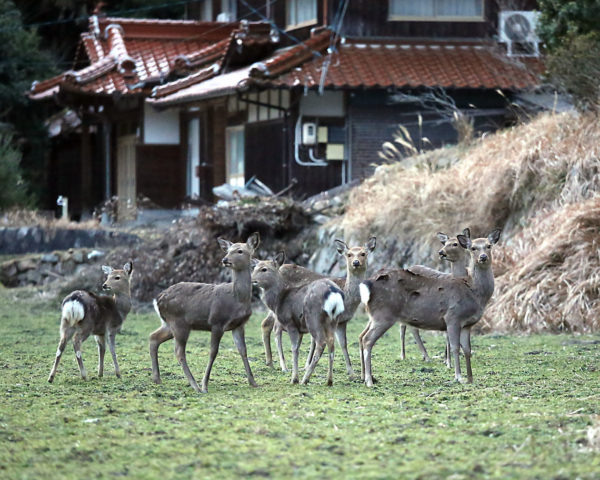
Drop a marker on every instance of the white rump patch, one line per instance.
(73, 312)
(155, 303)
(365, 293)
(334, 304)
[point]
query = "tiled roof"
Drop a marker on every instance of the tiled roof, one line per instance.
(125, 53)
(411, 65)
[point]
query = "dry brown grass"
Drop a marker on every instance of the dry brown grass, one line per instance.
(549, 262)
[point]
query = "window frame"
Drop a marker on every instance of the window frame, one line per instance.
(405, 18)
(305, 23)
(228, 154)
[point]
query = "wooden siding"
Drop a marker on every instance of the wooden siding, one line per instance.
(265, 153)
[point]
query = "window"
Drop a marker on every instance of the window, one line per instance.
(235, 156)
(301, 12)
(436, 10)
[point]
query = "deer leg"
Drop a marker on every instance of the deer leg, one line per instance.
(66, 333)
(402, 342)
(340, 334)
(331, 349)
(448, 355)
(376, 330)
(240, 342)
(77, 341)
(111, 347)
(267, 327)
(215, 340)
(417, 337)
(465, 343)
(453, 329)
(278, 338)
(311, 353)
(360, 346)
(101, 350)
(296, 338)
(158, 336)
(319, 347)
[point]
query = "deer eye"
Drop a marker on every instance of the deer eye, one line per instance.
(264, 269)
(455, 244)
(473, 248)
(240, 251)
(362, 254)
(488, 246)
(117, 277)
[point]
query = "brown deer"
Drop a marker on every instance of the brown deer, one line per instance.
(459, 259)
(85, 313)
(356, 268)
(216, 308)
(284, 300)
(442, 303)
(323, 305)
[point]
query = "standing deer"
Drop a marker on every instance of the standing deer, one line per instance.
(356, 269)
(459, 259)
(216, 308)
(284, 300)
(448, 304)
(85, 313)
(323, 305)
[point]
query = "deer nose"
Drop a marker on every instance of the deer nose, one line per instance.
(104, 286)
(483, 258)
(441, 253)
(356, 263)
(225, 261)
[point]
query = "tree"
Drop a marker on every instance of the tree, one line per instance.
(13, 187)
(571, 32)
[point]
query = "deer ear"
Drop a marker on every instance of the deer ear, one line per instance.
(279, 259)
(340, 246)
(253, 241)
(128, 267)
(371, 244)
(464, 241)
(225, 244)
(254, 263)
(106, 269)
(442, 237)
(494, 236)
(467, 232)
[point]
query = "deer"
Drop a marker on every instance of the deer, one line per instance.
(285, 300)
(84, 313)
(459, 259)
(216, 308)
(439, 303)
(323, 305)
(356, 267)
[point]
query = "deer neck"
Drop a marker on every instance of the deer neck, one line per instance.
(352, 286)
(272, 296)
(242, 285)
(123, 302)
(483, 283)
(459, 269)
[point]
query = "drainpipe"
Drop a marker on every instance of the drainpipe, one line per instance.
(107, 166)
(297, 139)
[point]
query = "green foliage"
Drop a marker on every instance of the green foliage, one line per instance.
(527, 416)
(571, 32)
(13, 188)
(562, 20)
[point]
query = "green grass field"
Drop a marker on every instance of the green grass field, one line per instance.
(526, 416)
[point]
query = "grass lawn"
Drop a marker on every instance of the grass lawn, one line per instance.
(526, 416)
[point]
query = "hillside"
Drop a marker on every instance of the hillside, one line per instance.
(539, 182)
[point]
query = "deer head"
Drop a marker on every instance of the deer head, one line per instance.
(480, 249)
(239, 255)
(356, 257)
(266, 272)
(118, 280)
(451, 249)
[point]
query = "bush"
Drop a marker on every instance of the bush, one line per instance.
(13, 188)
(575, 68)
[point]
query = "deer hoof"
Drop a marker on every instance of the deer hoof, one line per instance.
(295, 380)
(50, 378)
(157, 380)
(330, 383)
(369, 383)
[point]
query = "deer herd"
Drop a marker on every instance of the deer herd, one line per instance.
(299, 301)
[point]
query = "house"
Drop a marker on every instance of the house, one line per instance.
(294, 91)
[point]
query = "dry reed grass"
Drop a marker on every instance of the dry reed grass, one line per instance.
(548, 268)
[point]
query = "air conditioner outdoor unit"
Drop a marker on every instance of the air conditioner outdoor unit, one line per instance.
(517, 30)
